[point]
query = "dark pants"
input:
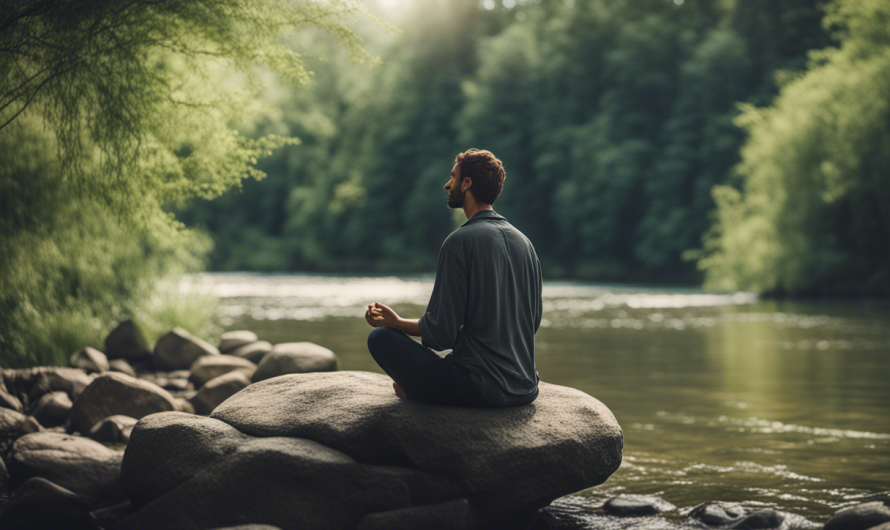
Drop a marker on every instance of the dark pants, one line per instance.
(423, 375)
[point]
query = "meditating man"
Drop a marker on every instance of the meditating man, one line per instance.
(485, 307)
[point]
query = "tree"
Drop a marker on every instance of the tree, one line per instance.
(813, 211)
(137, 100)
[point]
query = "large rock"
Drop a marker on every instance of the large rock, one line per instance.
(90, 359)
(52, 409)
(860, 517)
(178, 349)
(452, 515)
(189, 472)
(39, 504)
(231, 340)
(295, 358)
(253, 352)
(208, 367)
(504, 459)
(218, 390)
(79, 464)
(113, 429)
(14, 425)
(115, 393)
(126, 341)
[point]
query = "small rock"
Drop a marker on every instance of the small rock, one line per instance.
(115, 393)
(89, 359)
(5, 486)
(231, 340)
(184, 405)
(253, 352)
(208, 367)
(860, 517)
(14, 425)
(113, 429)
(9, 401)
(295, 358)
(122, 366)
(176, 384)
(178, 349)
(759, 520)
(636, 505)
(39, 504)
(218, 390)
(52, 409)
(452, 515)
(30, 384)
(79, 464)
(126, 341)
(717, 513)
(250, 527)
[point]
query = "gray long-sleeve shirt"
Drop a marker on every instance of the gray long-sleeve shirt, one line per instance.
(486, 305)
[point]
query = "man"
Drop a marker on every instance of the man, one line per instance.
(485, 307)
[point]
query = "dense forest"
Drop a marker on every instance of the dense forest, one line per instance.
(614, 120)
(738, 144)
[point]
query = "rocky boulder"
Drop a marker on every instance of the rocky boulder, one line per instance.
(295, 358)
(89, 359)
(213, 476)
(79, 464)
(7, 400)
(115, 393)
(231, 340)
(504, 460)
(253, 352)
(178, 349)
(218, 390)
(126, 341)
(208, 367)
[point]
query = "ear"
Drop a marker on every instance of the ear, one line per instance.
(465, 184)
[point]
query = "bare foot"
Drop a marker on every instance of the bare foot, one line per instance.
(399, 391)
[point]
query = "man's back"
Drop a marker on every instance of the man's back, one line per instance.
(486, 304)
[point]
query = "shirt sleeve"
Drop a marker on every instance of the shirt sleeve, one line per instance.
(444, 316)
(539, 305)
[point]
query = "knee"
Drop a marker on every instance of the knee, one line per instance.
(378, 338)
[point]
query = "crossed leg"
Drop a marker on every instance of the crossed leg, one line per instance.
(418, 373)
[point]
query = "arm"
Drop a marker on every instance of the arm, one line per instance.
(444, 316)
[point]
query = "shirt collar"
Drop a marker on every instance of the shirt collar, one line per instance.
(484, 214)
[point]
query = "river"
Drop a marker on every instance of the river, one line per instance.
(721, 396)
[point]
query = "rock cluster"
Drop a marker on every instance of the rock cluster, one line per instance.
(63, 430)
(340, 450)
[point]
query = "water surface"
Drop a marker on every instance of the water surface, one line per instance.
(721, 397)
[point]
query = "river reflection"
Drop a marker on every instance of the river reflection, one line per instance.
(721, 397)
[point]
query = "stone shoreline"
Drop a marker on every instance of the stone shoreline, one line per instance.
(253, 435)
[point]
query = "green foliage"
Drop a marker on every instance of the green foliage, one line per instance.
(111, 113)
(813, 213)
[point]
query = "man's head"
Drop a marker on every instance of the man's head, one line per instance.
(478, 172)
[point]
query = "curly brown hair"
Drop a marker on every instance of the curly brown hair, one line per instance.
(485, 170)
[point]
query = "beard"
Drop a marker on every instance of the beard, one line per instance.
(456, 198)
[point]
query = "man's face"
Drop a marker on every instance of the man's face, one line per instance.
(456, 195)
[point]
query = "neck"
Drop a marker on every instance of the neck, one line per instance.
(471, 207)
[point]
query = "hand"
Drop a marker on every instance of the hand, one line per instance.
(378, 315)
